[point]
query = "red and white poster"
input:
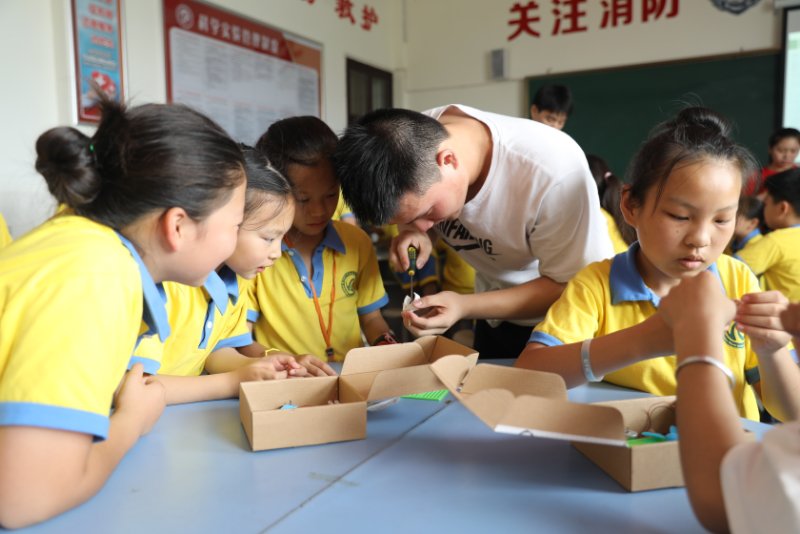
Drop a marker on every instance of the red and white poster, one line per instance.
(243, 74)
(97, 42)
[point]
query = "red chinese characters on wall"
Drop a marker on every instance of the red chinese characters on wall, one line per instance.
(570, 16)
(347, 10)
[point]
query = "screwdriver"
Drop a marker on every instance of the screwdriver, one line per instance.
(412, 269)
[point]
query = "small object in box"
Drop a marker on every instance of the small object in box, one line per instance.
(437, 395)
(381, 404)
(288, 406)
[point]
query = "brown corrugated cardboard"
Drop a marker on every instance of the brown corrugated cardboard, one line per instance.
(401, 369)
(532, 403)
(314, 421)
(368, 373)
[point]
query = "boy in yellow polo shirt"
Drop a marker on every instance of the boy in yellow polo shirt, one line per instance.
(326, 289)
(777, 255)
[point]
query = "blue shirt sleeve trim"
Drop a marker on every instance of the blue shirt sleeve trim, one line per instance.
(56, 417)
(253, 315)
(544, 339)
(236, 341)
(380, 303)
(151, 366)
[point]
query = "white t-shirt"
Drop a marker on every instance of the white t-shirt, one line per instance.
(761, 483)
(537, 213)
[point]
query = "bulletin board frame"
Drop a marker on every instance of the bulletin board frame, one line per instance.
(241, 72)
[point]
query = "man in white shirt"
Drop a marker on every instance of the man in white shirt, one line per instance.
(513, 197)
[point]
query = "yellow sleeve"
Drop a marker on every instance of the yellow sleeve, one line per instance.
(72, 344)
(761, 255)
(577, 314)
(235, 332)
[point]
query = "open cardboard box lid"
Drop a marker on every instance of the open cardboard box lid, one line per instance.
(402, 368)
(528, 403)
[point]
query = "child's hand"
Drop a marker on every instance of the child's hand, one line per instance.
(441, 311)
(261, 369)
(314, 366)
(286, 363)
(758, 315)
(790, 320)
(697, 302)
(140, 397)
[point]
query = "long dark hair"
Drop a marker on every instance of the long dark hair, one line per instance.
(143, 159)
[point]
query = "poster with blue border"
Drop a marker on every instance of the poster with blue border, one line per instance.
(97, 34)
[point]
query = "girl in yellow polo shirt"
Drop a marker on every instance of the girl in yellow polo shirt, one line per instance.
(682, 201)
(209, 329)
(326, 289)
(157, 193)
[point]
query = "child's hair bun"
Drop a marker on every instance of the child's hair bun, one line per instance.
(698, 123)
(65, 159)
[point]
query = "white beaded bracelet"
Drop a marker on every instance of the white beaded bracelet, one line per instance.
(586, 364)
(710, 361)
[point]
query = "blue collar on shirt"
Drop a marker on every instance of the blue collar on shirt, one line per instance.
(222, 285)
(330, 240)
(736, 246)
(627, 284)
(154, 312)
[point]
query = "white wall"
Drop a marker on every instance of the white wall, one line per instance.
(437, 49)
(449, 43)
(37, 80)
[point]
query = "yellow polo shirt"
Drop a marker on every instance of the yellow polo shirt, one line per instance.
(776, 256)
(610, 295)
(5, 235)
(342, 210)
(281, 301)
(73, 294)
(202, 320)
(617, 242)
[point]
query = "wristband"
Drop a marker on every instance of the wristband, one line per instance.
(707, 360)
(586, 364)
(387, 338)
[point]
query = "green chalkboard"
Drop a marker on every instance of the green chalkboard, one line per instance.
(615, 109)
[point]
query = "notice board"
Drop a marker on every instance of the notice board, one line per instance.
(616, 108)
(243, 74)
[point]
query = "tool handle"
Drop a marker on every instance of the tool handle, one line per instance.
(412, 260)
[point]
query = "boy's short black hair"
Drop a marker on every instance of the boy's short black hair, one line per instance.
(785, 186)
(386, 154)
(553, 97)
(751, 207)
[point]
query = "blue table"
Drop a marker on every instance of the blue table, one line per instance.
(424, 466)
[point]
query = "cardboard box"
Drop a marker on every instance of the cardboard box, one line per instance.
(368, 373)
(402, 368)
(314, 421)
(532, 403)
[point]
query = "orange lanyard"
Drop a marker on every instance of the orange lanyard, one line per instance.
(326, 332)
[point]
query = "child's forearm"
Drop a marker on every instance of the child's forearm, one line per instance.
(608, 353)
(780, 385)
(525, 301)
(183, 389)
(44, 472)
(373, 325)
